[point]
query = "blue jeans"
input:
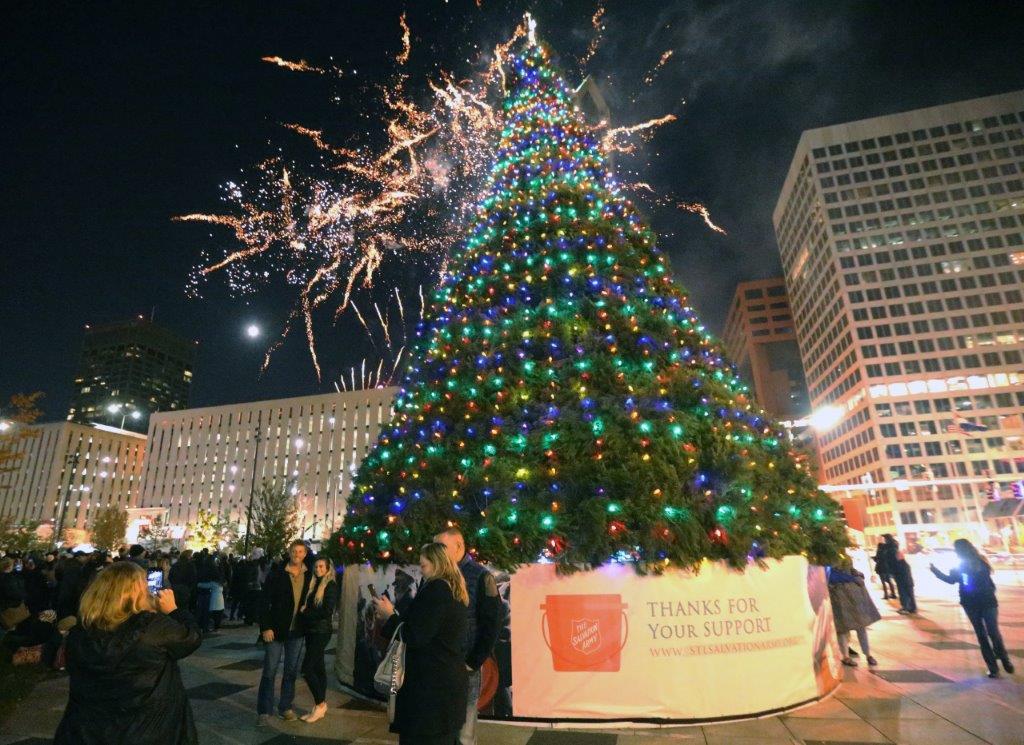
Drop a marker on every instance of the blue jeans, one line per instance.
(291, 650)
(986, 626)
(467, 735)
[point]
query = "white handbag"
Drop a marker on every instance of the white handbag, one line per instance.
(391, 671)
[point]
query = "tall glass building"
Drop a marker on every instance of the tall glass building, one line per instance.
(130, 370)
(902, 241)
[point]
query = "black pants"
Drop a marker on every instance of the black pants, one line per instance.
(313, 670)
(203, 609)
(888, 586)
(906, 591)
(986, 625)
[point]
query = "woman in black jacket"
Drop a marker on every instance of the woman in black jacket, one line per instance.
(122, 657)
(978, 598)
(316, 620)
(885, 566)
(431, 704)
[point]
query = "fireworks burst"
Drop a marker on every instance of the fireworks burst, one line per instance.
(649, 78)
(616, 138)
(595, 41)
(326, 229)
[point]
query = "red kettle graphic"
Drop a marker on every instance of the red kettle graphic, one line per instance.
(587, 632)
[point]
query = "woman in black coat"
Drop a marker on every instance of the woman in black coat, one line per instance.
(885, 566)
(316, 619)
(122, 657)
(978, 598)
(431, 705)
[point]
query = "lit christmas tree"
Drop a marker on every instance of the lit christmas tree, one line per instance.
(565, 402)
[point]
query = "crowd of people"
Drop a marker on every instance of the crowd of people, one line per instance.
(120, 622)
(854, 610)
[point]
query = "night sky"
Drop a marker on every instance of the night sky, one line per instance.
(118, 116)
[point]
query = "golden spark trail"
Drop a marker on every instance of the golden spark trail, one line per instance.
(403, 56)
(610, 137)
(318, 139)
(300, 66)
(649, 78)
(384, 325)
(394, 368)
(700, 209)
(361, 319)
(401, 310)
(595, 41)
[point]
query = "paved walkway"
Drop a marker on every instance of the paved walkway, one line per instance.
(929, 689)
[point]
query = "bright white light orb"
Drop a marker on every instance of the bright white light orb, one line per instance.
(252, 331)
(826, 418)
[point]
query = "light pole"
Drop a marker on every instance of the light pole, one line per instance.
(72, 461)
(311, 527)
(114, 408)
(252, 483)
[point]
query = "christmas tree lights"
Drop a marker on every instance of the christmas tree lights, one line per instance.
(564, 402)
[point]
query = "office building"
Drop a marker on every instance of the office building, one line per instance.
(72, 470)
(211, 458)
(129, 370)
(902, 241)
(761, 342)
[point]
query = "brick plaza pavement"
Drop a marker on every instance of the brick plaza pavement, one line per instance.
(929, 689)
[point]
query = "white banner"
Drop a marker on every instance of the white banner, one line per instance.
(608, 644)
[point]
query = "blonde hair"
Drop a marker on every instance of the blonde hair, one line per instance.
(444, 568)
(117, 593)
(318, 599)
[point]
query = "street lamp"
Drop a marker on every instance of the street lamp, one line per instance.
(826, 418)
(115, 407)
(72, 461)
(252, 483)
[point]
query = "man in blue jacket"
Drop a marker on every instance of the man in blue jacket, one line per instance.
(484, 615)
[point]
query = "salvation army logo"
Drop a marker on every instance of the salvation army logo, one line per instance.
(585, 633)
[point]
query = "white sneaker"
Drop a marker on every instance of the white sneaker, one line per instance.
(318, 713)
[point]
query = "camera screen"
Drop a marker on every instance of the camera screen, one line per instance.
(155, 581)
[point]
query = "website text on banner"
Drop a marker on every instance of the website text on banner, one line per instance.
(609, 644)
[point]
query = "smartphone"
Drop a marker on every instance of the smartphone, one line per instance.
(373, 592)
(155, 580)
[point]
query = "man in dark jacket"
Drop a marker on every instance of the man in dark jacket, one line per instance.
(183, 579)
(137, 555)
(279, 609)
(484, 622)
(71, 584)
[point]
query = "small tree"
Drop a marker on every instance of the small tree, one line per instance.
(20, 538)
(156, 536)
(273, 521)
(211, 530)
(21, 410)
(108, 527)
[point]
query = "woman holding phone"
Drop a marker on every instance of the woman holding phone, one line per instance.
(978, 598)
(125, 686)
